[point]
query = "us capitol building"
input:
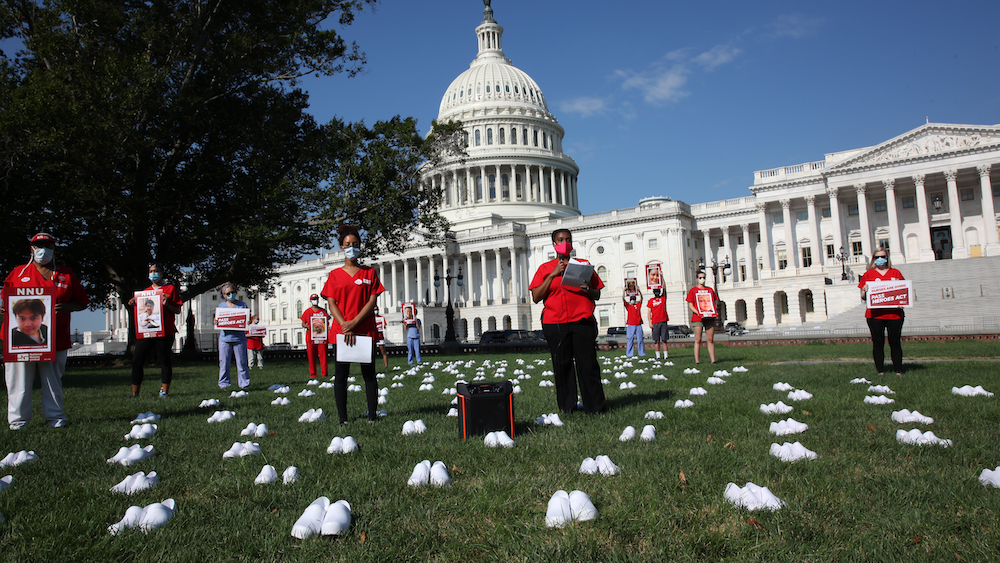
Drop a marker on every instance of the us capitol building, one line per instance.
(927, 195)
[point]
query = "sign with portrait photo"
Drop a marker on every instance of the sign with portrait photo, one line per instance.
(317, 328)
(631, 287)
(654, 276)
(705, 304)
(149, 314)
(30, 325)
(409, 313)
(232, 318)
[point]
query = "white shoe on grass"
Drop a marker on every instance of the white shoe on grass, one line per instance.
(311, 521)
(337, 520)
(558, 513)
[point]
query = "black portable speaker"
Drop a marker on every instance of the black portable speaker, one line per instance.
(484, 408)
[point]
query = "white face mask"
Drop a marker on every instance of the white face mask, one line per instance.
(315, 302)
(43, 255)
(701, 281)
(352, 252)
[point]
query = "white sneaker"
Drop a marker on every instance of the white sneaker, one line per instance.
(558, 513)
(421, 474)
(581, 506)
(266, 476)
(337, 520)
(311, 521)
(439, 475)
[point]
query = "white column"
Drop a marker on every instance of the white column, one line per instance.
(515, 274)
(730, 251)
(498, 185)
(989, 212)
(406, 281)
(866, 231)
(958, 248)
(767, 252)
(420, 280)
(924, 229)
(467, 281)
(896, 251)
(707, 241)
(838, 235)
(815, 244)
(552, 183)
(562, 186)
(395, 291)
(750, 261)
(486, 185)
(483, 288)
(499, 285)
(791, 248)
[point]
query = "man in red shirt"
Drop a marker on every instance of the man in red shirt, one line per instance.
(658, 318)
(316, 346)
(570, 328)
(70, 296)
(633, 325)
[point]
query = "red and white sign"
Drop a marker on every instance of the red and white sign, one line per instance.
(31, 322)
(654, 276)
(890, 294)
(380, 323)
(409, 313)
(149, 314)
(257, 330)
(705, 304)
(631, 287)
(317, 327)
(232, 318)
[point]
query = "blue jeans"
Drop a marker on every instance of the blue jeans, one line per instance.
(226, 352)
(634, 334)
(412, 350)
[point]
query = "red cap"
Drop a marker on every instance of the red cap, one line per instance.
(313, 296)
(46, 237)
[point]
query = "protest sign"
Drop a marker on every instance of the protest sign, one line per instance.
(31, 325)
(890, 294)
(232, 318)
(149, 314)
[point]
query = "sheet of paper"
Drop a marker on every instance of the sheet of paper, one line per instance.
(361, 352)
(577, 274)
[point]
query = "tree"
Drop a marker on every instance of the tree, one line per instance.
(175, 130)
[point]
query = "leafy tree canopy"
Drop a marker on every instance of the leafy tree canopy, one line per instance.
(175, 130)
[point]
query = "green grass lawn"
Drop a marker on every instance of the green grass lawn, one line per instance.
(866, 497)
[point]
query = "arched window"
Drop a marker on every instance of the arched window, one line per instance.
(602, 273)
(517, 187)
(524, 137)
(506, 88)
(545, 141)
(465, 138)
(505, 184)
(513, 135)
(477, 137)
(502, 137)
(515, 89)
(487, 88)
(479, 188)
(535, 135)
(298, 308)
(493, 187)
(489, 136)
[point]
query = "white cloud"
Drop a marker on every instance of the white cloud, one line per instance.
(584, 106)
(716, 56)
(659, 85)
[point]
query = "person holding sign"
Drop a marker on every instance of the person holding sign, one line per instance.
(633, 323)
(351, 292)
(255, 342)
(316, 320)
(380, 325)
(39, 280)
(569, 326)
(412, 324)
(883, 320)
(232, 342)
(155, 330)
(701, 300)
(658, 318)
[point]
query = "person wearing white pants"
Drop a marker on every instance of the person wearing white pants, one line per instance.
(68, 296)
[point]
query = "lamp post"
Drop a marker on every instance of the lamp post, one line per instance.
(842, 257)
(449, 312)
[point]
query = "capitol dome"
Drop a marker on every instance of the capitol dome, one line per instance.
(515, 170)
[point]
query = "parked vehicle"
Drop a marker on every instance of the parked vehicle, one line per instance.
(512, 338)
(616, 331)
(679, 331)
(735, 329)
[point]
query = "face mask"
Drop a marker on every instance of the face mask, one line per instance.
(43, 255)
(352, 252)
(315, 302)
(231, 297)
(564, 248)
(155, 277)
(701, 281)
(881, 262)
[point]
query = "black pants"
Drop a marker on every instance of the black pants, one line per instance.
(340, 389)
(142, 350)
(878, 329)
(569, 344)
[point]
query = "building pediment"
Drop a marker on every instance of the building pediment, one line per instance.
(928, 141)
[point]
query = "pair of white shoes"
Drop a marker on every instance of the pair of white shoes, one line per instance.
(878, 400)
(281, 401)
(153, 516)
(602, 465)
(800, 395)
(786, 427)
(221, 416)
(269, 475)
(648, 433)
(654, 415)
(546, 383)
(256, 430)
(414, 427)
(565, 508)
(312, 415)
(627, 385)
(683, 404)
(145, 417)
(306, 393)
(142, 431)
(500, 438)
(659, 377)
(14, 459)
(752, 497)
(133, 455)
(242, 450)
(238, 394)
(905, 417)
(715, 381)
(452, 411)
(342, 445)
(324, 518)
(918, 438)
(551, 419)
(426, 387)
(792, 452)
(424, 473)
(207, 403)
(281, 389)
(135, 483)
(698, 391)
(775, 408)
(691, 371)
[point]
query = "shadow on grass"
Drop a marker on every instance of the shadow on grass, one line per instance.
(630, 400)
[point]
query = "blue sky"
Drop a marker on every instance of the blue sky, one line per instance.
(688, 99)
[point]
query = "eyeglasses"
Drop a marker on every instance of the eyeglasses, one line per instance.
(701, 277)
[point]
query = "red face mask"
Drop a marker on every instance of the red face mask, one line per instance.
(564, 248)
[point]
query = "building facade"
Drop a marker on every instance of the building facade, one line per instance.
(926, 195)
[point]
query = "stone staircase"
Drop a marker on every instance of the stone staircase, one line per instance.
(955, 295)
